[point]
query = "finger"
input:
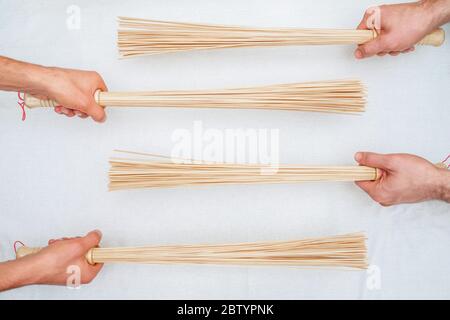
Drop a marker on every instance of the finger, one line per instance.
(80, 114)
(68, 112)
(372, 159)
(367, 186)
(371, 48)
(63, 110)
(51, 241)
(394, 53)
(95, 111)
(382, 54)
(101, 84)
(58, 109)
(91, 240)
(363, 24)
(96, 267)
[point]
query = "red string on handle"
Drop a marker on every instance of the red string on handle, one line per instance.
(15, 245)
(21, 103)
(445, 161)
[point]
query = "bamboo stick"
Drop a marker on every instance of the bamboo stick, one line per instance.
(159, 172)
(138, 37)
(335, 96)
(343, 251)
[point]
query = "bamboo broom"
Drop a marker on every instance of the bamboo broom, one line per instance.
(344, 251)
(138, 37)
(131, 173)
(338, 96)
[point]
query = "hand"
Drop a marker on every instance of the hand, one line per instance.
(74, 90)
(51, 263)
(402, 26)
(404, 178)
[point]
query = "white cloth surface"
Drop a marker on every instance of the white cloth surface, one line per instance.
(54, 169)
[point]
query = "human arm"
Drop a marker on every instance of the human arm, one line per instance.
(50, 265)
(73, 89)
(405, 178)
(402, 26)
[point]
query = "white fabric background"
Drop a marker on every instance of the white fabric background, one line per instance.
(54, 169)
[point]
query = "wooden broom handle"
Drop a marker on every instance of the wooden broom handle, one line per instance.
(435, 38)
(33, 102)
(25, 251)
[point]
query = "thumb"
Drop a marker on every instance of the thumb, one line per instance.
(367, 186)
(372, 159)
(96, 112)
(91, 240)
(371, 48)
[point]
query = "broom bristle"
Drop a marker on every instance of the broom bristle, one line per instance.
(137, 37)
(150, 173)
(339, 96)
(347, 251)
